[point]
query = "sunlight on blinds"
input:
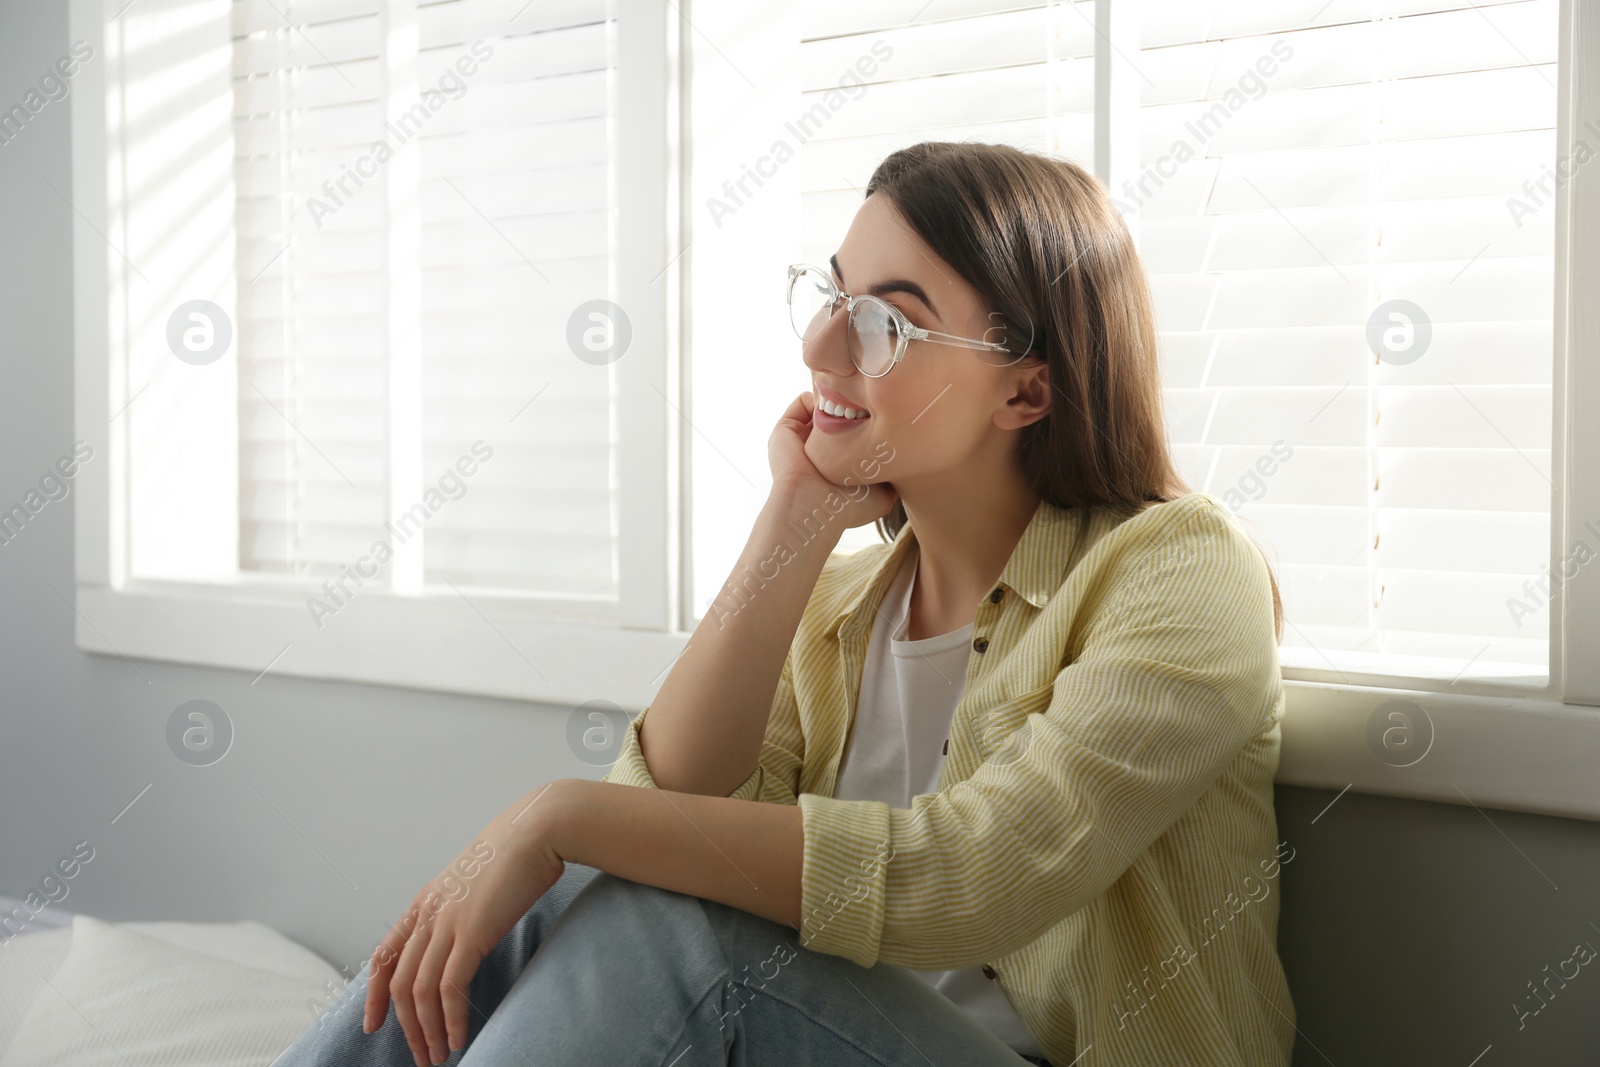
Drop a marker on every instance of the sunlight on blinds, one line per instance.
(1355, 316)
(1349, 231)
(312, 472)
(502, 112)
(526, 148)
(174, 313)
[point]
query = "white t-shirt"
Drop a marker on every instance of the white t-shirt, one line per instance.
(909, 691)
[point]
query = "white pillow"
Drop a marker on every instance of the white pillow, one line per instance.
(122, 998)
(30, 958)
(246, 942)
(25, 962)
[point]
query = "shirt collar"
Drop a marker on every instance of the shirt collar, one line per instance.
(1037, 567)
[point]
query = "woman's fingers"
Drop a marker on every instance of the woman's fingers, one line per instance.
(800, 407)
(786, 444)
(377, 1005)
(425, 965)
(410, 966)
(402, 984)
(384, 959)
(799, 413)
(425, 992)
(457, 979)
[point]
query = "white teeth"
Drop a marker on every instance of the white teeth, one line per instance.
(839, 409)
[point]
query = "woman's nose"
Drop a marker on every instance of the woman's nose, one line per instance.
(828, 347)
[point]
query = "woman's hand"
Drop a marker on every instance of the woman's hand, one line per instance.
(797, 479)
(427, 960)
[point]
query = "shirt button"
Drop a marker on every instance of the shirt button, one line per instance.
(981, 643)
(994, 597)
(988, 972)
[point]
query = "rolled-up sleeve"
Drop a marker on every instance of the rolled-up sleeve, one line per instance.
(1177, 671)
(776, 776)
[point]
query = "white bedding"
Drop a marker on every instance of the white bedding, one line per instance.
(168, 993)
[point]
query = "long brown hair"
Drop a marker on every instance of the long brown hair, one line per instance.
(1041, 242)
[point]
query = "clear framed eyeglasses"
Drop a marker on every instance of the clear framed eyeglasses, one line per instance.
(877, 332)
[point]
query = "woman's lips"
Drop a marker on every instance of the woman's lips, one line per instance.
(834, 423)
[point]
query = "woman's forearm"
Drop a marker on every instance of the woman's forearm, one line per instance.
(743, 853)
(704, 728)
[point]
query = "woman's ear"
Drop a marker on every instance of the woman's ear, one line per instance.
(1030, 395)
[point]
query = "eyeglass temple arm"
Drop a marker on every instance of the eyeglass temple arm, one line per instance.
(917, 333)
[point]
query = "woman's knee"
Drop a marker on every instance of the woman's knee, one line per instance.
(621, 900)
(336, 1035)
(642, 932)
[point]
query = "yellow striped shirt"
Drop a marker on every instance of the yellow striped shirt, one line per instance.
(1103, 835)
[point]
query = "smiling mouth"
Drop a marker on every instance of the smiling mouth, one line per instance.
(840, 411)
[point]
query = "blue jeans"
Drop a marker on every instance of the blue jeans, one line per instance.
(635, 975)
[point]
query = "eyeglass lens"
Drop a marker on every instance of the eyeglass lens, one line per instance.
(871, 334)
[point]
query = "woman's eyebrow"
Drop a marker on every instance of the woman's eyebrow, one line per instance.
(893, 285)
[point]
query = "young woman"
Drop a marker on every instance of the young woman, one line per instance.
(995, 791)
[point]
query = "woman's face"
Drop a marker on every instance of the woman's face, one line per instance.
(942, 406)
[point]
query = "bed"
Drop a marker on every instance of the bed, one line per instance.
(75, 990)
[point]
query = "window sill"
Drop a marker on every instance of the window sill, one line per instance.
(484, 646)
(1517, 753)
(1509, 751)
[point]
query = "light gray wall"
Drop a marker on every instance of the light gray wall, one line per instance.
(1409, 929)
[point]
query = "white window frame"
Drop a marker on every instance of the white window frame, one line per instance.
(1502, 745)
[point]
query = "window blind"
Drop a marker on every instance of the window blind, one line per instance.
(527, 146)
(510, 220)
(1377, 165)
(312, 476)
(1405, 493)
